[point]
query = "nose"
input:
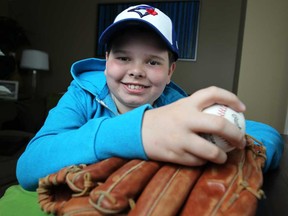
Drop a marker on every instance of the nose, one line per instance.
(137, 71)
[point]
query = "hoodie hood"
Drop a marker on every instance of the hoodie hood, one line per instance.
(89, 75)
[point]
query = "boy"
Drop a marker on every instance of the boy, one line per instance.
(127, 106)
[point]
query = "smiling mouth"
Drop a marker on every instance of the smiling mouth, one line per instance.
(136, 87)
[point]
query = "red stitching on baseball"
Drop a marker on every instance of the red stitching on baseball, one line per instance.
(222, 110)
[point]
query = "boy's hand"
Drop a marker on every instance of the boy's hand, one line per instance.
(171, 133)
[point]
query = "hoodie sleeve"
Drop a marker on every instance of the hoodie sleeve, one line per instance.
(78, 131)
(271, 139)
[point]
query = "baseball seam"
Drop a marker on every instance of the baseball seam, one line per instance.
(222, 111)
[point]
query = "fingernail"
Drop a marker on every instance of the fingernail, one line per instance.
(243, 107)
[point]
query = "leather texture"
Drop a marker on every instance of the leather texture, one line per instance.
(232, 188)
(117, 186)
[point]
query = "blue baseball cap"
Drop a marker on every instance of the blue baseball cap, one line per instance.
(148, 16)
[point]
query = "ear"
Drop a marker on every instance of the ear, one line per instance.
(170, 72)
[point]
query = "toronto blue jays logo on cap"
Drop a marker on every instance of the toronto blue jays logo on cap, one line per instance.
(144, 10)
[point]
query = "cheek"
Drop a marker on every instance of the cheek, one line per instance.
(113, 71)
(160, 78)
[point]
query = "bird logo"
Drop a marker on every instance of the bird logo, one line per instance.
(144, 10)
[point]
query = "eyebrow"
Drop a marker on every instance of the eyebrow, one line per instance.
(117, 51)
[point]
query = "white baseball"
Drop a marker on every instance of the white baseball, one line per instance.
(234, 117)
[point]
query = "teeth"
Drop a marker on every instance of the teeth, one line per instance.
(135, 87)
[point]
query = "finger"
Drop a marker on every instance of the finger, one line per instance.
(188, 159)
(201, 148)
(179, 157)
(212, 124)
(211, 95)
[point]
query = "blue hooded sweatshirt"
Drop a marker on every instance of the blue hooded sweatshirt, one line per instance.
(85, 127)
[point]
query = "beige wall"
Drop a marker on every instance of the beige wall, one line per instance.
(286, 123)
(263, 81)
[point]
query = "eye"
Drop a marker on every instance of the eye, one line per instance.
(153, 62)
(121, 58)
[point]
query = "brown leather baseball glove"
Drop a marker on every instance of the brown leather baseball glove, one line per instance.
(119, 187)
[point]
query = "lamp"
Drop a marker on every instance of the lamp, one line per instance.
(34, 60)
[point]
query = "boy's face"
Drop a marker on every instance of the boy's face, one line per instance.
(137, 69)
